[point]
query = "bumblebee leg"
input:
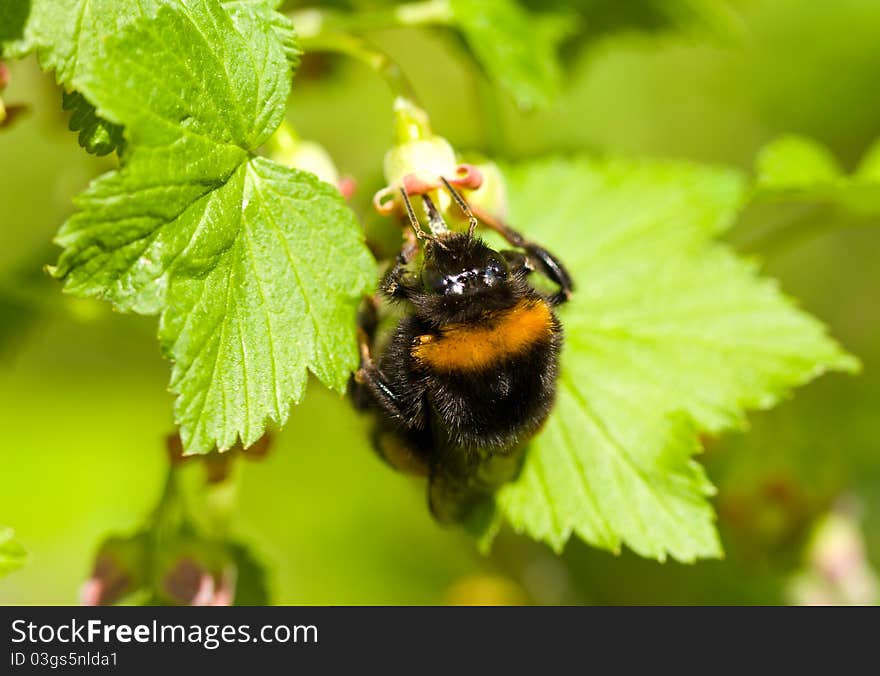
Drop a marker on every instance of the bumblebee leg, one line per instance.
(518, 261)
(435, 219)
(528, 263)
(363, 388)
(393, 283)
(367, 321)
(413, 221)
(397, 283)
(370, 377)
(549, 265)
(400, 396)
(401, 447)
(553, 269)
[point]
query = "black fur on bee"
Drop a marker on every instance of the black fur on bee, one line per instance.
(469, 373)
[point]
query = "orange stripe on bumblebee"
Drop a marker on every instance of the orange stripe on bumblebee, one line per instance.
(475, 346)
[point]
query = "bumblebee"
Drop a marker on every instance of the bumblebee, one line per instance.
(469, 374)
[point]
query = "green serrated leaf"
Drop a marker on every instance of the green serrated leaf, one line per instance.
(235, 252)
(799, 168)
(96, 135)
(12, 554)
(66, 34)
(186, 75)
(714, 19)
(668, 335)
(243, 336)
(244, 12)
(515, 47)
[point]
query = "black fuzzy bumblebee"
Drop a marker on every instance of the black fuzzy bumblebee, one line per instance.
(469, 374)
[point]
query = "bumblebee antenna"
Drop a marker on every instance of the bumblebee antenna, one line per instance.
(466, 210)
(413, 221)
(435, 219)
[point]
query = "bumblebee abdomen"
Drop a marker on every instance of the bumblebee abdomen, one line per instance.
(491, 384)
(488, 342)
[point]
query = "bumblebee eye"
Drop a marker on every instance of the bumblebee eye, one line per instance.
(496, 269)
(433, 279)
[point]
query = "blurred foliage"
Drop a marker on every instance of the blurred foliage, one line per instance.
(12, 554)
(795, 168)
(516, 48)
(84, 405)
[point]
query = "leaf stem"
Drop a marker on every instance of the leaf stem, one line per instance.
(360, 50)
(327, 30)
(411, 120)
(167, 508)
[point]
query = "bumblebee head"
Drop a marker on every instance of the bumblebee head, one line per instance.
(462, 279)
(458, 265)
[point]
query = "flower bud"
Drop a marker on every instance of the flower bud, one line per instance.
(424, 160)
(4, 80)
(119, 569)
(837, 570)
(8, 113)
(197, 574)
(310, 156)
(491, 196)
(417, 166)
(291, 151)
(420, 162)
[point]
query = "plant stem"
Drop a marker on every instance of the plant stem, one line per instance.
(411, 120)
(167, 508)
(359, 49)
(323, 30)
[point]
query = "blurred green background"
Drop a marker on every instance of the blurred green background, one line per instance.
(83, 401)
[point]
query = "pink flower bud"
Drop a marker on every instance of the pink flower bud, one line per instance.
(190, 583)
(118, 571)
